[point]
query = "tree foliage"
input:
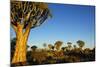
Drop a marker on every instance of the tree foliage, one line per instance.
(34, 48)
(80, 43)
(28, 13)
(69, 45)
(44, 45)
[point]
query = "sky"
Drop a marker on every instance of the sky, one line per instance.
(69, 23)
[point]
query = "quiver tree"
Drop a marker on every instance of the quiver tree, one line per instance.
(50, 46)
(34, 48)
(81, 44)
(75, 47)
(25, 16)
(45, 45)
(69, 45)
(58, 44)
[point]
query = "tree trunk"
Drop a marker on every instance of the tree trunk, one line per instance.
(20, 50)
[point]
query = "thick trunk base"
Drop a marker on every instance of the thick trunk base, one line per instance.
(20, 52)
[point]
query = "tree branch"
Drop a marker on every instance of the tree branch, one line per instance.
(27, 30)
(28, 15)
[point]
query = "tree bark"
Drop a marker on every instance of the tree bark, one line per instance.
(21, 47)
